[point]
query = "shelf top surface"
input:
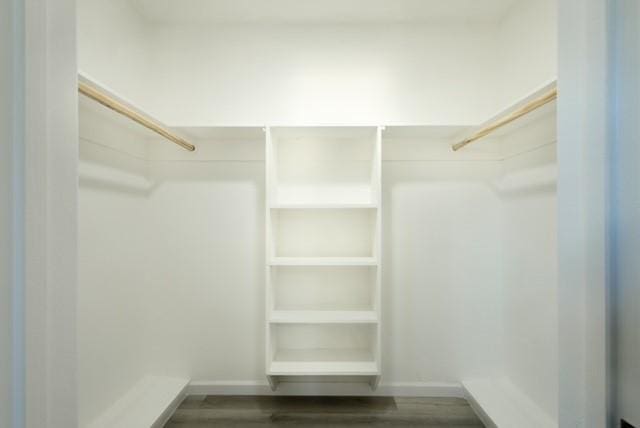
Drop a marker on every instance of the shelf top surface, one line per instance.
(329, 132)
(323, 261)
(323, 368)
(323, 205)
(323, 317)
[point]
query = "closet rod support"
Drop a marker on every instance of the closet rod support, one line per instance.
(522, 111)
(118, 107)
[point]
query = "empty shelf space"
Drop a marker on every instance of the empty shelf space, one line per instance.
(323, 317)
(323, 349)
(323, 233)
(323, 261)
(323, 362)
(345, 194)
(323, 288)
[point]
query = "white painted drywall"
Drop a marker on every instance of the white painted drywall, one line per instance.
(529, 265)
(267, 73)
(113, 293)
(51, 145)
(7, 116)
(527, 39)
(583, 138)
(209, 273)
(441, 271)
(114, 46)
(301, 74)
(625, 211)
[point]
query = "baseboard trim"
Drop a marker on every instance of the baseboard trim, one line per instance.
(396, 389)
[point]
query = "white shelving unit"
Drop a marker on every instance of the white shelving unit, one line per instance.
(323, 239)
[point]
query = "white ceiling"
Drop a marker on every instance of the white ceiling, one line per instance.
(323, 11)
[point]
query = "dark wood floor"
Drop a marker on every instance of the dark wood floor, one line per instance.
(351, 412)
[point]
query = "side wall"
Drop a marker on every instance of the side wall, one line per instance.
(51, 181)
(625, 212)
(583, 145)
(528, 40)
(114, 47)
(7, 117)
(530, 285)
(113, 321)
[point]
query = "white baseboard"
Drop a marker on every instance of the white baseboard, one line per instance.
(396, 389)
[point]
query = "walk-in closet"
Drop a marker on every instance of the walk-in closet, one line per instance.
(337, 198)
(305, 213)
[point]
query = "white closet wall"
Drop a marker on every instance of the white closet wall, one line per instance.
(624, 213)
(528, 49)
(324, 73)
(441, 263)
(113, 45)
(278, 73)
(113, 294)
(208, 262)
(529, 265)
(6, 215)
(387, 58)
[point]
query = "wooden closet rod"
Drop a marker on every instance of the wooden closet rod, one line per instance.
(117, 106)
(522, 111)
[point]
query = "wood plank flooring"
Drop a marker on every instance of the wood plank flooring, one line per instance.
(312, 412)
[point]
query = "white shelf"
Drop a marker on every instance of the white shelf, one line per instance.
(355, 368)
(323, 206)
(323, 362)
(323, 317)
(323, 261)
